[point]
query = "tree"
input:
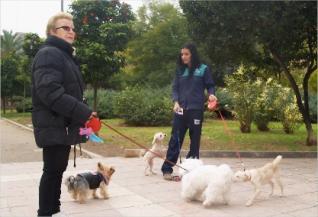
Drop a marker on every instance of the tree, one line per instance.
(279, 36)
(160, 31)
(9, 70)
(31, 45)
(103, 30)
(11, 43)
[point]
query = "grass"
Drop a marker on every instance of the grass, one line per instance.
(214, 137)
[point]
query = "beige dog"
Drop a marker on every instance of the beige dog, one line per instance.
(157, 148)
(261, 176)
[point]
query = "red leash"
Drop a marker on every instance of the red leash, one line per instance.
(142, 146)
(213, 106)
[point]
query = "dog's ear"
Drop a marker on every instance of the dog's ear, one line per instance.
(111, 170)
(100, 166)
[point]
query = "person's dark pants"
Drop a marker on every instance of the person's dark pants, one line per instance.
(55, 160)
(192, 120)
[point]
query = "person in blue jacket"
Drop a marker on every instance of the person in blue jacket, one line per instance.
(188, 94)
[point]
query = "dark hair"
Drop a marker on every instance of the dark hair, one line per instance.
(195, 59)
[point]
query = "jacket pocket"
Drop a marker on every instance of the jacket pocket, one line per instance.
(47, 119)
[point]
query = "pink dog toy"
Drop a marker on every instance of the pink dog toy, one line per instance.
(86, 131)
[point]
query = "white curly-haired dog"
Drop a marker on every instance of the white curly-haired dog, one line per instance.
(261, 176)
(158, 148)
(210, 184)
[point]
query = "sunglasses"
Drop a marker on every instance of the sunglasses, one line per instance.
(66, 28)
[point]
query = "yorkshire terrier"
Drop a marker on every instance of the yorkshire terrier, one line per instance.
(84, 184)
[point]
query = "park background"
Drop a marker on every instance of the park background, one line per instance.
(263, 57)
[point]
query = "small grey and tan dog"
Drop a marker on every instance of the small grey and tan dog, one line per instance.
(84, 184)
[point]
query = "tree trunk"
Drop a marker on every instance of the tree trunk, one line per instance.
(245, 127)
(311, 140)
(95, 99)
(3, 104)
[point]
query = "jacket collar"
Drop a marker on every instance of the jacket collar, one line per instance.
(59, 43)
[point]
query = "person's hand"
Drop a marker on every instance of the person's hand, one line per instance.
(212, 98)
(176, 107)
(94, 114)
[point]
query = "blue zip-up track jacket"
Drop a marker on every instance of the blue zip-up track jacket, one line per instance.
(188, 90)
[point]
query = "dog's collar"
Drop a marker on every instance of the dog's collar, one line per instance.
(104, 178)
(249, 177)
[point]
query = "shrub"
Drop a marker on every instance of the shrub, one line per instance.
(313, 108)
(144, 106)
(264, 104)
(244, 93)
(23, 103)
(105, 102)
(225, 103)
(287, 110)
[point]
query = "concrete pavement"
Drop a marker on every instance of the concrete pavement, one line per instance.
(133, 194)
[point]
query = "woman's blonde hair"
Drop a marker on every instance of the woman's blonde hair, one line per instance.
(51, 23)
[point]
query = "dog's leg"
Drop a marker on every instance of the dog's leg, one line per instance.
(94, 194)
(226, 197)
(146, 169)
(82, 196)
(280, 186)
(103, 191)
(257, 191)
(74, 195)
(272, 187)
(151, 166)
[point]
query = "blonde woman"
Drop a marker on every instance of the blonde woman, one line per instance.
(58, 110)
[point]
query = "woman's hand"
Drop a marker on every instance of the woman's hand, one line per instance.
(212, 98)
(176, 107)
(94, 114)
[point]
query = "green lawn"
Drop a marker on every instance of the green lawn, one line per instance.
(214, 137)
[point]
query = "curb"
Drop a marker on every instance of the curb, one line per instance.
(90, 154)
(243, 154)
(206, 153)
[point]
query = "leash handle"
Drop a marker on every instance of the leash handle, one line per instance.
(142, 146)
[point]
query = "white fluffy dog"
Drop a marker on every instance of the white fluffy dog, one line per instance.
(207, 183)
(261, 176)
(157, 148)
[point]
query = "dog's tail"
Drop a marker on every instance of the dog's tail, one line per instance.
(277, 160)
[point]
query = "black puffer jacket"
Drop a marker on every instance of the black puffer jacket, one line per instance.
(57, 95)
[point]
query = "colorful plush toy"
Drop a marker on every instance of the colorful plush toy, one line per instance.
(91, 127)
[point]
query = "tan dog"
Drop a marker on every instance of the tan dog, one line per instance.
(157, 148)
(261, 176)
(81, 185)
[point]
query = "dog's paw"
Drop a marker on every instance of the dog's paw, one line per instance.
(249, 203)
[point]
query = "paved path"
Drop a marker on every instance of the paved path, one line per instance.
(133, 194)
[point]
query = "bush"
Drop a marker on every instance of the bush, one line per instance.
(264, 104)
(22, 103)
(144, 106)
(225, 101)
(244, 93)
(313, 108)
(105, 103)
(287, 110)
